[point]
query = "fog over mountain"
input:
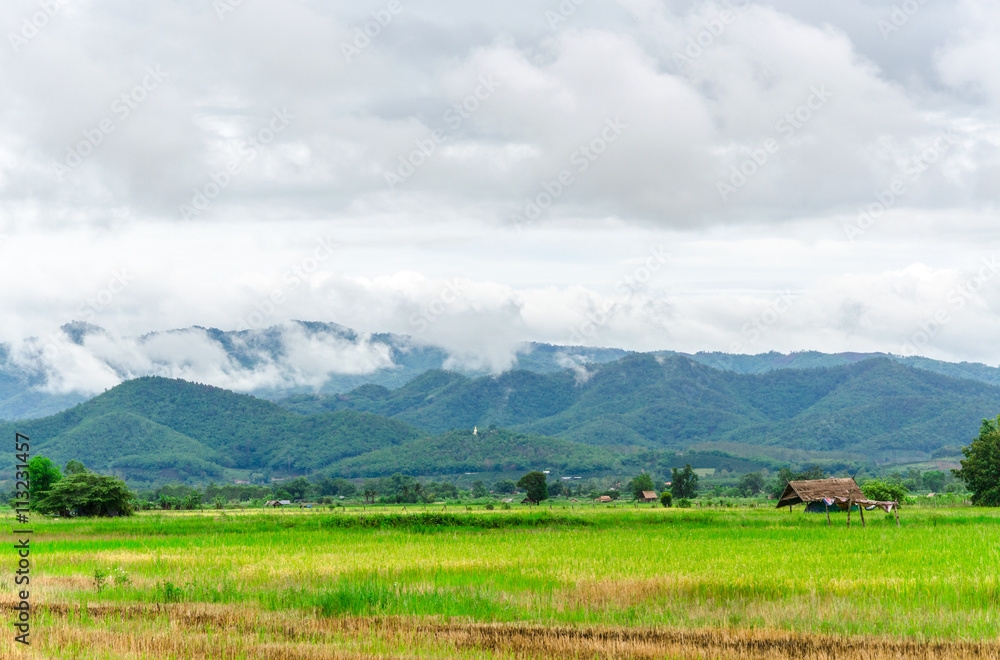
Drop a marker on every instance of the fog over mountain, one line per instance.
(41, 376)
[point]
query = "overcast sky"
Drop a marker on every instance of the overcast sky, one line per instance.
(736, 176)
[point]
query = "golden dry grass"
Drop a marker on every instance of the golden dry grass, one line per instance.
(200, 631)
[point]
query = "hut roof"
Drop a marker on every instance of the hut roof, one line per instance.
(815, 490)
(603, 498)
(649, 495)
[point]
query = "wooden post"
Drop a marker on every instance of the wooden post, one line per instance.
(861, 510)
(896, 510)
(827, 514)
(848, 512)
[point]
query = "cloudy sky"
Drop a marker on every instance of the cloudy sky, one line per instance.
(737, 176)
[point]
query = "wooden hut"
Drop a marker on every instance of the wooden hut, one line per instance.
(842, 493)
(648, 496)
(603, 498)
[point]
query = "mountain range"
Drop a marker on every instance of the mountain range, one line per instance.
(45, 375)
(641, 411)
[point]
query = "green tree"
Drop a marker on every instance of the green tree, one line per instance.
(684, 482)
(751, 483)
(505, 486)
(534, 484)
(89, 494)
(74, 467)
(884, 491)
(639, 484)
(43, 474)
(934, 480)
(478, 489)
(666, 499)
(297, 488)
(981, 467)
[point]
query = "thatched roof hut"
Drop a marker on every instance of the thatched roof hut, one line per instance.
(648, 496)
(815, 490)
(840, 492)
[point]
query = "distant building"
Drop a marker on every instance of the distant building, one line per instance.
(648, 496)
(603, 498)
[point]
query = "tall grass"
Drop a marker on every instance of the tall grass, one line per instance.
(937, 578)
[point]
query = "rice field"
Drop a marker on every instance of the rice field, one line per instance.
(560, 583)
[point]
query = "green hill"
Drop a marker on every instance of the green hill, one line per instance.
(876, 409)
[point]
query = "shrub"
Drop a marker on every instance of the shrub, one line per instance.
(666, 499)
(684, 503)
(883, 491)
(489, 507)
(505, 506)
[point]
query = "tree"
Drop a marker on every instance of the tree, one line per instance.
(74, 467)
(684, 482)
(478, 489)
(666, 499)
(505, 486)
(639, 484)
(89, 494)
(534, 484)
(297, 488)
(751, 483)
(883, 491)
(934, 480)
(981, 467)
(43, 474)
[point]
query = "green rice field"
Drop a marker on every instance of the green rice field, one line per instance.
(561, 582)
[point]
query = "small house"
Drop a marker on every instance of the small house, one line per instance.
(648, 496)
(821, 494)
(603, 498)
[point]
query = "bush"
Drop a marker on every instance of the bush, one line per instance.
(684, 503)
(666, 499)
(505, 506)
(489, 507)
(883, 491)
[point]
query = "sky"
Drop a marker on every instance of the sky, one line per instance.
(694, 176)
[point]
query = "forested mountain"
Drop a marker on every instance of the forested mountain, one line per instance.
(877, 409)
(45, 375)
(639, 411)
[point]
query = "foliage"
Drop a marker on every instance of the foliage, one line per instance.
(89, 494)
(74, 466)
(505, 487)
(534, 484)
(934, 480)
(478, 489)
(43, 475)
(751, 483)
(884, 491)
(639, 484)
(684, 483)
(666, 498)
(981, 468)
